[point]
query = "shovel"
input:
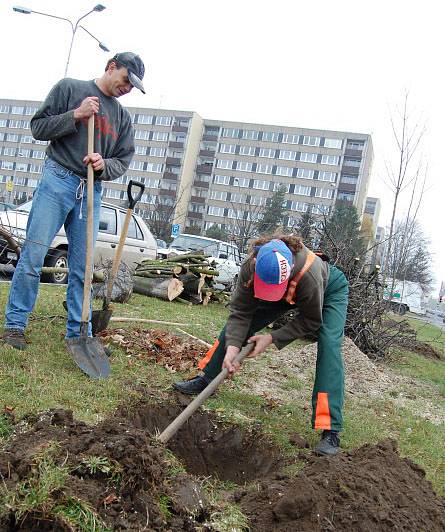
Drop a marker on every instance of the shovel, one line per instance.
(101, 318)
(177, 423)
(88, 353)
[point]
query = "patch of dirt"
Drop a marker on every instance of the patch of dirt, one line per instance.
(125, 445)
(174, 352)
(369, 489)
(363, 379)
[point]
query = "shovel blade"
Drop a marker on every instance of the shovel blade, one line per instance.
(100, 320)
(89, 355)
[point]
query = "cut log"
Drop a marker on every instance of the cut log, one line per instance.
(167, 289)
(98, 276)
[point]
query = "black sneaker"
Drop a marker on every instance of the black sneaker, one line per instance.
(193, 386)
(15, 338)
(329, 445)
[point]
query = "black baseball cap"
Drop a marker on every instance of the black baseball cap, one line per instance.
(136, 69)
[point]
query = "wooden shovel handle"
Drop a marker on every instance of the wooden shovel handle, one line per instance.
(177, 423)
(89, 240)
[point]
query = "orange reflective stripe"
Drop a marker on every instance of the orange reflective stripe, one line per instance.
(204, 361)
(295, 280)
(322, 413)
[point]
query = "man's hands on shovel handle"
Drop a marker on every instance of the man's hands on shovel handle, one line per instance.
(96, 160)
(262, 341)
(88, 107)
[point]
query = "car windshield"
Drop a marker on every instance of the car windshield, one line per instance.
(24, 207)
(194, 243)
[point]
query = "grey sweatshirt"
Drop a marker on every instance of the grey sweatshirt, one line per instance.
(309, 297)
(113, 139)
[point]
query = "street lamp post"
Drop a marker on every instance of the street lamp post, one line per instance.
(74, 26)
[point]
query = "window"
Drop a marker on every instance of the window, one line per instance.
(289, 138)
(305, 173)
(27, 139)
(142, 134)
(270, 136)
(12, 137)
(7, 165)
(38, 154)
(324, 193)
(30, 110)
(258, 200)
(230, 132)
(333, 143)
(218, 194)
(247, 150)
(227, 148)
(287, 155)
(242, 182)
(24, 152)
(327, 176)
(21, 167)
(154, 167)
(35, 168)
(352, 179)
(144, 119)
(267, 152)
(238, 198)
(4, 108)
(346, 196)
(260, 184)
(235, 214)
(32, 183)
(157, 152)
(3, 122)
(137, 165)
(250, 134)
(302, 190)
(224, 163)
(140, 150)
(221, 179)
(17, 110)
(215, 211)
(196, 207)
(244, 166)
(151, 183)
(284, 170)
(352, 162)
(163, 120)
(311, 141)
(298, 206)
(9, 151)
(15, 124)
(277, 186)
(330, 159)
(264, 168)
(107, 220)
(160, 136)
(355, 145)
(309, 157)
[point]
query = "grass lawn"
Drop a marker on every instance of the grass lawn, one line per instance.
(44, 377)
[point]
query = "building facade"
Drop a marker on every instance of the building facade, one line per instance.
(209, 171)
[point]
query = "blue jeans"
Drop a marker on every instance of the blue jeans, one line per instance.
(56, 202)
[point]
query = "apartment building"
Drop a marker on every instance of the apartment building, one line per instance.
(209, 171)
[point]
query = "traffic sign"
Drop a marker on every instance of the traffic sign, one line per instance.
(9, 186)
(175, 230)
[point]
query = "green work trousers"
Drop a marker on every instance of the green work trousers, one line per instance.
(328, 391)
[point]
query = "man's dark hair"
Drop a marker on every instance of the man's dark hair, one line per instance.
(112, 60)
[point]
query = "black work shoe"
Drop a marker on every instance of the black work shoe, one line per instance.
(329, 445)
(193, 386)
(15, 338)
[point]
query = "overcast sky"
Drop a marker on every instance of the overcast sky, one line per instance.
(333, 64)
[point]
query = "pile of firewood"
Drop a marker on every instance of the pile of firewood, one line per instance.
(188, 278)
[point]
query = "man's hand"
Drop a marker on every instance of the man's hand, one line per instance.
(88, 107)
(96, 160)
(229, 363)
(262, 342)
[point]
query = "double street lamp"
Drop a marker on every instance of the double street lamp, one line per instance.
(74, 27)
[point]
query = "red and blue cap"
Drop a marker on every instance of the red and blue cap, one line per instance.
(273, 267)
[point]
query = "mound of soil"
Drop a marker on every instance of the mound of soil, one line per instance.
(369, 489)
(121, 472)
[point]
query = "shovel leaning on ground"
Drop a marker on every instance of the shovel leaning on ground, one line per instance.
(101, 318)
(177, 423)
(88, 353)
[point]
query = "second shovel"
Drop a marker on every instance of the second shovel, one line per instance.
(101, 318)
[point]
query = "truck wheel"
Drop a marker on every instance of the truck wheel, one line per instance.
(57, 258)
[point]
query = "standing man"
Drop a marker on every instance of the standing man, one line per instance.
(60, 198)
(282, 274)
